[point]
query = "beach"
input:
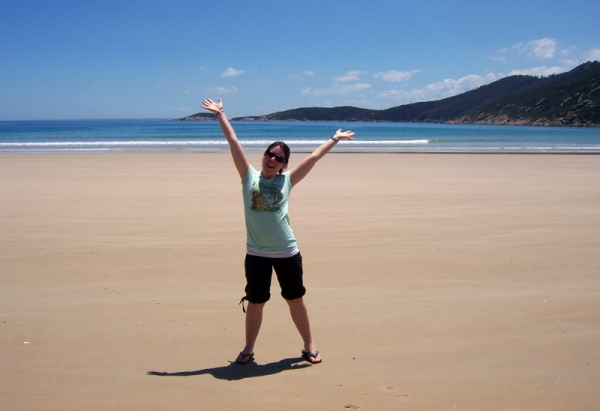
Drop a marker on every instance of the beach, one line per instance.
(435, 282)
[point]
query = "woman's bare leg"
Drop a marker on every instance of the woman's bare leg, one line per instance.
(254, 315)
(300, 317)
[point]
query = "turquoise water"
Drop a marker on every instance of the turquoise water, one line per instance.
(167, 135)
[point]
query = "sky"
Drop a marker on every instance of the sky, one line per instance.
(159, 59)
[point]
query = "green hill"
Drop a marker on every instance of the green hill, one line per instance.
(567, 99)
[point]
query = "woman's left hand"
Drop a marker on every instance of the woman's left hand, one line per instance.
(344, 135)
(215, 108)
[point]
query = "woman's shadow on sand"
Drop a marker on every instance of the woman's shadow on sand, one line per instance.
(235, 371)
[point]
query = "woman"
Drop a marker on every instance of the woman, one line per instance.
(270, 240)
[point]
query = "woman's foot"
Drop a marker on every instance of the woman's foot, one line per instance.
(312, 357)
(244, 358)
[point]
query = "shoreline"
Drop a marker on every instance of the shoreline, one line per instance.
(160, 136)
(294, 150)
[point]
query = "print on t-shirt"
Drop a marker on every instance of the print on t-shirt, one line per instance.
(265, 198)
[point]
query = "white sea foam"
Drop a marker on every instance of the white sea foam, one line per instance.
(194, 143)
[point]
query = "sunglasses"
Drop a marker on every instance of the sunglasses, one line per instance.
(277, 157)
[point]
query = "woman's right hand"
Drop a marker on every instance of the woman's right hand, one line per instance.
(208, 104)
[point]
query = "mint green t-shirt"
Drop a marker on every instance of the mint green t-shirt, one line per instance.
(266, 211)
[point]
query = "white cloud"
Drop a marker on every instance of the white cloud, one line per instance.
(231, 72)
(540, 49)
(353, 75)
(538, 71)
(500, 55)
(219, 91)
(439, 90)
(402, 96)
(567, 51)
(337, 88)
(349, 88)
(396, 76)
(451, 87)
(307, 73)
(593, 55)
(341, 86)
(544, 48)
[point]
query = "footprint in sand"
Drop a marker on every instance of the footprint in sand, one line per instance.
(392, 390)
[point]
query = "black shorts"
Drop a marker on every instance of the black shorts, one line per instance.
(259, 271)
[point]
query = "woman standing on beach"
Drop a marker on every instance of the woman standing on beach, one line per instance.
(270, 240)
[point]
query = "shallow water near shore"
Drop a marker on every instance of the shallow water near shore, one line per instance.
(157, 135)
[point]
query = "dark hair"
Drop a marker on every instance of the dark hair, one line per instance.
(286, 151)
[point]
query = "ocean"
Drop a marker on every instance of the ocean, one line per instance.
(205, 136)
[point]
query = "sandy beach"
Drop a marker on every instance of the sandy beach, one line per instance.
(435, 282)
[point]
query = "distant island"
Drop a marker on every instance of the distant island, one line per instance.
(569, 99)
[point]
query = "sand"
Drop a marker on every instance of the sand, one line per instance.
(435, 282)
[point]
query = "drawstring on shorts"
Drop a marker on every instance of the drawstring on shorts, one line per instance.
(242, 303)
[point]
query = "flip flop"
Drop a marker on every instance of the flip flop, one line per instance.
(311, 357)
(244, 358)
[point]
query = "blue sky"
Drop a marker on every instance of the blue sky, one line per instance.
(159, 59)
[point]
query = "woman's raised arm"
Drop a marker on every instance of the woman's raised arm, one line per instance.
(237, 152)
(302, 169)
